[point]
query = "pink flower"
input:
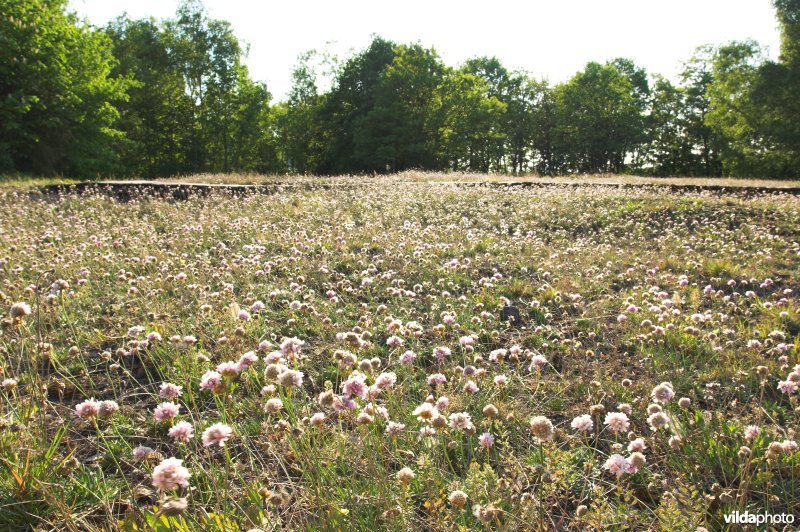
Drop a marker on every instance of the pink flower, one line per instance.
(408, 357)
(170, 391)
(436, 378)
(461, 421)
(87, 409)
(787, 387)
(537, 362)
(247, 360)
(583, 423)
(637, 445)
(617, 464)
(466, 341)
(663, 392)
(486, 440)
(394, 341)
(170, 474)
(442, 403)
(441, 353)
(218, 433)
(617, 421)
(354, 385)
(386, 380)
(166, 411)
(750, 432)
(211, 380)
(471, 388)
(182, 431)
(228, 369)
(291, 346)
(500, 380)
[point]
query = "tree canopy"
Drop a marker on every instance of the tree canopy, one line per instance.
(166, 97)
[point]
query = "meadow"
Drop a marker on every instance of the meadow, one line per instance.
(399, 356)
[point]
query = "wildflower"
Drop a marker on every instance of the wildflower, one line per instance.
(538, 362)
(461, 421)
(228, 369)
(617, 464)
(486, 440)
(19, 310)
(471, 388)
(107, 409)
(170, 474)
(658, 420)
(789, 446)
(684, 402)
(364, 418)
(274, 405)
(141, 453)
(8, 384)
(751, 431)
(394, 429)
(88, 409)
(490, 411)
(408, 357)
(774, 451)
(170, 391)
(500, 380)
(441, 353)
(583, 423)
(466, 341)
(637, 445)
(405, 476)
(436, 378)
(458, 499)
(354, 385)
(218, 433)
(211, 380)
(166, 411)
(291, 378)
(317, 420)
(247, 360)
(386, 380)
(394, 341)
(636, 461)
(181, 431)
(663, 392)
(291, 346)
(617, 421)
(442, 403)
(542, 428)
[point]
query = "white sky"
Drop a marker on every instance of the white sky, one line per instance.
(552, 39)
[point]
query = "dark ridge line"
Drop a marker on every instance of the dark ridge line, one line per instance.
(127, 190)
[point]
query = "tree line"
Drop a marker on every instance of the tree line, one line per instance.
(157, 98)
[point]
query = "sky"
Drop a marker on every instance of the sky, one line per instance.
(548, 38)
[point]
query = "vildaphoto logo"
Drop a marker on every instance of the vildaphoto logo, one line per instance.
(747, 518)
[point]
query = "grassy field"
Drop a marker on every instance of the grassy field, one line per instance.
(400, 355)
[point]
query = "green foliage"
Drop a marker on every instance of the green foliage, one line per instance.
(157, 98)
(57, 94)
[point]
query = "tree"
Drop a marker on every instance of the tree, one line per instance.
(158, 112)
(669, 151)
(58, 96)
(298, 119)
(469, 123)
(733, 115)
(343, 111)
(598, 110)
(397, 132)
